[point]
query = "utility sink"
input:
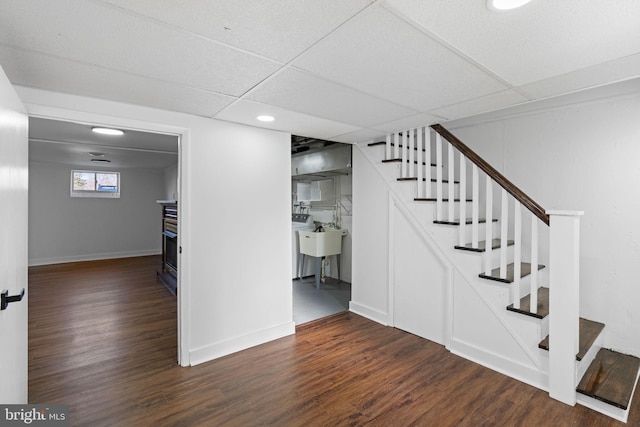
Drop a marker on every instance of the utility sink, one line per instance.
(323, 243)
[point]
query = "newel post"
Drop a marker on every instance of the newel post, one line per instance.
(564, 303)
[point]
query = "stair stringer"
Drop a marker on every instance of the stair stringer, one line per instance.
(478, 322)
(484, 318)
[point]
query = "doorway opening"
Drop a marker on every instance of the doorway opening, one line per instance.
(64, 229)
(321, 195)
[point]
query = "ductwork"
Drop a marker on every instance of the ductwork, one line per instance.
(330, 161)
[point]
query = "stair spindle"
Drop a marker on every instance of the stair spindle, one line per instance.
(396, 145)
(405, 154)
(475, 206)
(412, 154)
(387, 147)
(463, 198)
(438, 177)
(504, 231)
(488, 226)
(420, 166)
(451, 174)
(534, 265)
(517, 257)
(428, 132)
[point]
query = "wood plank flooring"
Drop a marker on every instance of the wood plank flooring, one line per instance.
(103, 340)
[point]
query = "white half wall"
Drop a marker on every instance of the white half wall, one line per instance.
(65, 229)
(581, 156)
(235, 221)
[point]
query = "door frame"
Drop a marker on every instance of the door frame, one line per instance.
(97, 119)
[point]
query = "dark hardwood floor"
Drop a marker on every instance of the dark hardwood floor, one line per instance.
(102, 339)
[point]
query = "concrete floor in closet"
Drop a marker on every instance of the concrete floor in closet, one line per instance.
(310, 303)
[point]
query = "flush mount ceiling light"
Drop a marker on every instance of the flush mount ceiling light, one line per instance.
(266, 118)
(500, 5)
(108, 131)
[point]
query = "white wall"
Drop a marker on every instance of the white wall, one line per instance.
(64, 228)
(235, 272)
(370, 259)
(583, 156)
(171, 183)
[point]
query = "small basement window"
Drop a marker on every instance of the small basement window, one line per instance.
(95, 184)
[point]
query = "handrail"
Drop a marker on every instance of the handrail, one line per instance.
(511, 188)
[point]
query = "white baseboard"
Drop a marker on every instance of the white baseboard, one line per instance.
(93, 257)
(370, 313)
(233, 345)
(511, 368)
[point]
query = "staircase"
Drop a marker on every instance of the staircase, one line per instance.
(572, 365)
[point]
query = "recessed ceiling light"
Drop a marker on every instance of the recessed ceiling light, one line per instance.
(499, 5)
(266, 118)
(108, 131)
(96, 154)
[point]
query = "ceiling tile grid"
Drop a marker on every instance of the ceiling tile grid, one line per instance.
(300, 91)
(245, 112)
(542, 39)
(96, 34)
(279, 29)
(52, 73)
(342, 69)
(378, 53)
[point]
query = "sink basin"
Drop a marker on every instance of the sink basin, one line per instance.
(325, 243)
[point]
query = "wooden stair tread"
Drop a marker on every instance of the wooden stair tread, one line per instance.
(468, 221)
(525, 305)
(377, 143)
(415, 178)
(611, 378)
(525, 270)
(589, 331)
(433, 199)
(495, 244)
(400, 161)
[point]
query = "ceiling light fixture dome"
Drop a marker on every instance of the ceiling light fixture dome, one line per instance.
(108, 131)
(500, 5)
(265, 118)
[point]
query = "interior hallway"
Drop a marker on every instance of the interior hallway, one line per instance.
(102, 339)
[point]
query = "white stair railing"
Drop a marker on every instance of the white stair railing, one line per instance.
(414, 149)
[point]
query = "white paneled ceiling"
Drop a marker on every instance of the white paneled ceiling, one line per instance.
(343, 70)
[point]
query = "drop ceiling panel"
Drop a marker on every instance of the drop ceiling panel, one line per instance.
(77, 156)
(418, 120)
(36, 70)
(279, 29)
(597, 75)
(485, 103)
(540, 40)
(378, 53)
(98, 34)
(286, 120)
(360, 136)
(68, 132)
(299, 91)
